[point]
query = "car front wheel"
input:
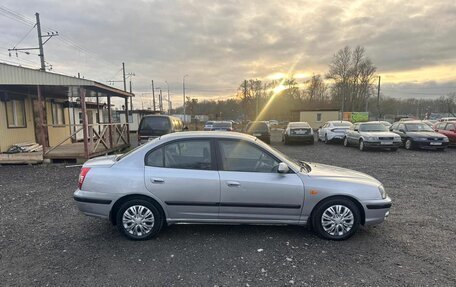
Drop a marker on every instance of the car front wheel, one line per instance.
(139, 219)
(362, 147)
(408, 144)
(336, 219)
(346, 144)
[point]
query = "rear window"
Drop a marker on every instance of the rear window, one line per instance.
(222, 125)
(257, 126)
(155, 123)
(340, 125)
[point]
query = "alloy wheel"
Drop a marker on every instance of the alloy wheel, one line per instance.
(138, 220)
(337, 220)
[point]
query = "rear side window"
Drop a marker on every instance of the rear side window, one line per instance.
(450, 127)
(195, 154)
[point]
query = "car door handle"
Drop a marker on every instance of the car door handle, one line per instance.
(233, 184)
(157, 180)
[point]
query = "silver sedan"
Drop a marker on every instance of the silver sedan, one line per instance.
(217, 177)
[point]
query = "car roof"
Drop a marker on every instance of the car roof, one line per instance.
(207, 134)
(340, 121)
(412, 122)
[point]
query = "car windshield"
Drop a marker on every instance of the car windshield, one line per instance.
(418, 127)
(155, 123)
(222, 125)
(372, 128)
(342, 125)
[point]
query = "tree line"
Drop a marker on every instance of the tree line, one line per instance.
(349, 85)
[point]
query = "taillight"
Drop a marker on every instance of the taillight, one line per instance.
(82, 176)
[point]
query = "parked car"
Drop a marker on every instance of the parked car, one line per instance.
(371, 135)
(154, 126)
(259, 129)
(232, 178)
(446, 119)
(222, 126)
(298, 132)
(208, 125)
(333, 130)
(447, 129)
(273, 123)
(430, 123)
(385, 123)
(416, 134)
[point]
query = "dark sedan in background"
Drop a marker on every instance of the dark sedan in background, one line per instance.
(259, 129)
(416, 134)
(222, 126)
(298, 132)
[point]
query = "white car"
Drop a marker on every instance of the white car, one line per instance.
(447, 119)
(208, 125)
(333, 130)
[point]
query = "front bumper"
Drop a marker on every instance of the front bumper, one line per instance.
(376, 211)
(379, 144)
(96, 204)
(429, 144)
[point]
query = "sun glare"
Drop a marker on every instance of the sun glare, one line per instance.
(279, 89)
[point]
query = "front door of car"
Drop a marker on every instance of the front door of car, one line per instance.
(183, 175)
(450, 132)
(251, 188)
(353, 134)
(400, 130)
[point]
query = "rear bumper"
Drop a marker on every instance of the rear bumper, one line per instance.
(300, 138)
(94, 203)
(336, 136)
(376, 211)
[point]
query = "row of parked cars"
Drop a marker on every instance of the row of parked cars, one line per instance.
(411, 134)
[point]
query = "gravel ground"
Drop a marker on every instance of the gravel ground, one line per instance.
(44, 240)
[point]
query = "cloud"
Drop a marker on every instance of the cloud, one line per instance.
(220, 43)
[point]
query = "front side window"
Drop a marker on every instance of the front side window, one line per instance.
(194, 154)
(15, 111)
(57, 114)
(245, 157)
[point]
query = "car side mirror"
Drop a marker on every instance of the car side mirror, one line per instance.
(402, 130)
(356, 130)
(283, 168)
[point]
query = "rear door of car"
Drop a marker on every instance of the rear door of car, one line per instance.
(450, 132)
(251, 189)
(184, 176)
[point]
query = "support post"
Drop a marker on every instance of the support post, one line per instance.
(153, 94)
(110, 121)
(98, 113)
(85, 129)
(378, 99)
(42, 126)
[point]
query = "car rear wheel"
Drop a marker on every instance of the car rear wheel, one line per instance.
(326, 139)
(139, 219)
(336, 219)
(408, 144)
(362, 147)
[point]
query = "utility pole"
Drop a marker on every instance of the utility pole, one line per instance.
(183, 92)
(131, 98)
(153, 94)
(169, 100)
(245, 99)
(40, 42)
(378, 99)
(124, 78)
(160, 101)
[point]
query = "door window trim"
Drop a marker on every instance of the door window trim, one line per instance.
(214, 163)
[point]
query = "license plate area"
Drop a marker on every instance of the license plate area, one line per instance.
(435, 143)
(387, 143)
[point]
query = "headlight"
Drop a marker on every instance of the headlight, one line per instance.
(382, 191)
(445, 139)
(397, 139)
(370, 138)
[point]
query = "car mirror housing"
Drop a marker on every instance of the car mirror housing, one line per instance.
(283, 168)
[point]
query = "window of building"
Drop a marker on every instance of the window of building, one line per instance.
(57, 114)
(318, 117)
(15, 111)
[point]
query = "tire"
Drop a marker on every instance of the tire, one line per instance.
(141, 208)
(361, 145)
(322, 225)
(393, 149)
(326, 139)
(346, 143)
(285, 141)
(408, 144)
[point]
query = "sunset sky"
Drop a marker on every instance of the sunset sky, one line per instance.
(220, 43)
